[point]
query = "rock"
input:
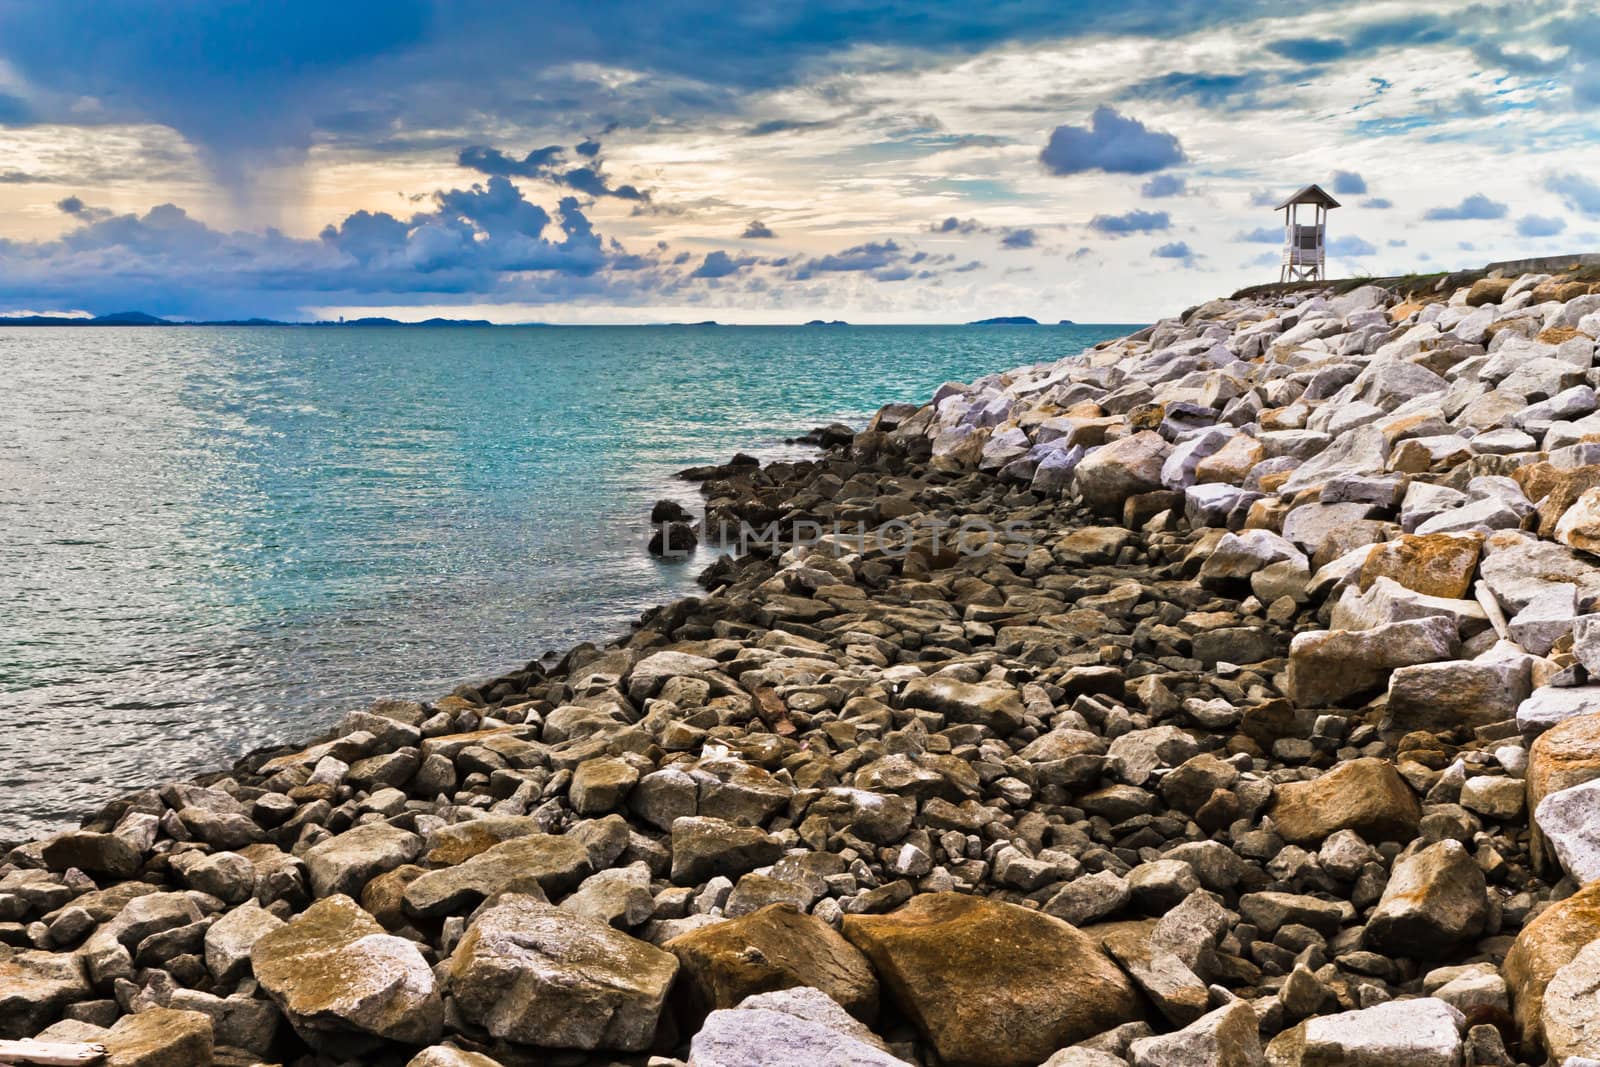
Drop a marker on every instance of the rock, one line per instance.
(343, 864)
(1365, 795)
(1176, 991)
(105, 854)
(1439, 565)
(1108, 475)
(1494, 798)
(230, 939)
(1238, 556)
(600, 785)
(1362, 450)
(618, 897)
(1328, 666)
(1271, 911)
(1387, 601)
(1517, 569)
(1435, 902)
(1548, 706)
(335, 973)
(1572, 1007)
(160, 1037)
(1565, 755)
(1226, 1037)
(1569, 819)
(543, 864)
(530, 973)
(1401, 1033)
(34, 987)
(1438, 697)
(1546, 944)
(447, 1056)
(1579, 526)
(1090, 898)
(982, 705)
(705, 847)
(991, 984)
(777, 947)
(792, 1028)
(1545, 619)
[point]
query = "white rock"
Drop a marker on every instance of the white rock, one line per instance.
(1570, 820)
(1401, 1033)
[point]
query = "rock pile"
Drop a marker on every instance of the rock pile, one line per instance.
(1220, 696)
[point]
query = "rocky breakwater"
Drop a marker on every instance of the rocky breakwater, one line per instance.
(1220, 696)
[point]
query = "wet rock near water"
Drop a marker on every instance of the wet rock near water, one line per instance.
(1221, 695)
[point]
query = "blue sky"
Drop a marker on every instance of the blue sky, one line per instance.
(764, 162)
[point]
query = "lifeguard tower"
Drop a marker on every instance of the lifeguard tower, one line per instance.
(1305, 247)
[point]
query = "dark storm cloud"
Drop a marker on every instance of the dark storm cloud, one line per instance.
(758, 229)
(1111, 142)
(549, 164)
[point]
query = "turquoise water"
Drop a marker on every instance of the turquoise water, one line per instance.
(213, 539)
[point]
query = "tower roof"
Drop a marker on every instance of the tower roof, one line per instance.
(1311, 194)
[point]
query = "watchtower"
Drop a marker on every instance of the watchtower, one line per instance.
(1305, 246)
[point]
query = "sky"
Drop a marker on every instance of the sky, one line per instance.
(681, 160)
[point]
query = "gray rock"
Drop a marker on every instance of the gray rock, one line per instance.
(542, 864)
(1090, 898)
(1570, 821)
(338, 976)
(1551, 705)
(531, 973)
(1572, 1007)
(1436, 901)
(230, 939)
(1226, 1037)
(790, 1028)
(1401, 1033)
(345, 863)
(1437, 697)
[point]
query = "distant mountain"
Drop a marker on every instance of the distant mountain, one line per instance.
(827, 322)
(379, 321)
(120, 318)
(139, 318)
(1006, 320)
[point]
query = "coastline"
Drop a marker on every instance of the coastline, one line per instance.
(1230, 534)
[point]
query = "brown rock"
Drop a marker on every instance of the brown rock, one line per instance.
(1330, 666)
(1123, 468)
(1579, 525)
(1558, 488)
(777, 947)
(1231, 464)
(992, 984)
(1488, 291)
(1431, 564)
(1565, 755)
(1365, 795)
(160, 1037)
(34, 987)
(1544, 946)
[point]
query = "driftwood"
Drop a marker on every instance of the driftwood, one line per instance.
(49, 1053)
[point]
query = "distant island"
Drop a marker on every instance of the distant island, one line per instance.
(1006, 320)
(1066, 322)
(827, 322)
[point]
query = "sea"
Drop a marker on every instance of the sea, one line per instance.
(214, 539)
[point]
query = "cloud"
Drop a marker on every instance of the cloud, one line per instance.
(1351, 247)
(72, 205)
(1309, 49)
(1265, 235)
(1475, 207)
(17, 177)
(1247, 90)
(1578, 193)
(1178, 250)
(1113, 143)
(1132, 222)
(758, 229)
(1540, 226)
(1020, 238)
(720, 265)
(955, 225)
(1164, 185)
(1378, 203)
(1349, 183)
(549, 164)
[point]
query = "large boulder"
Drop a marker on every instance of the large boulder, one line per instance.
(1436, 902)
(1439, 565)
(1572, 1007)
(1565, 755)
(339, 977)
(1438, 697)
(346, 862)
(161, 1037)
(536, 863)
(34, 987)
(533, 974)
(991, 984)
(776, 947)
(1226, 1037)
(1366, 795)
(998, 708)
(1425, 1032)
(1569, 820)
(1127, 467)
(1545, 945)
(703, 848)
(1329, 666)
(792, 1028)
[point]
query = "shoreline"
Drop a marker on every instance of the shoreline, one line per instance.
(1228, 743)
